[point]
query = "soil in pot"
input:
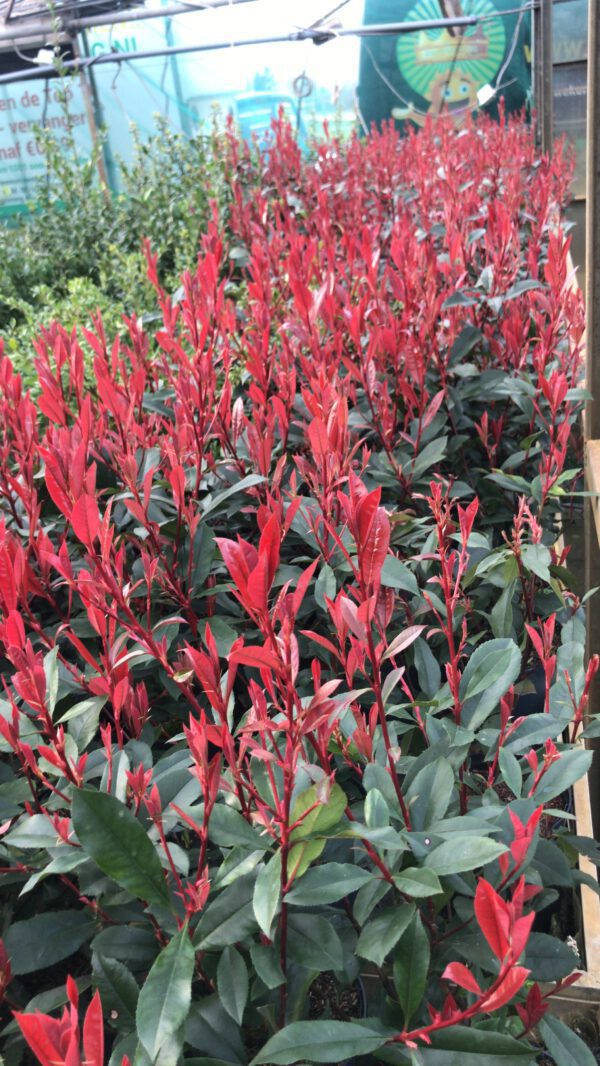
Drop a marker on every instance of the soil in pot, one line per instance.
(328, 999)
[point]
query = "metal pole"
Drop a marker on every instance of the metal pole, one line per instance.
(318, 35)
(546, 76)
(30, 28)
(184, 119)
(537, 73)
(106, 161)
(91, 108)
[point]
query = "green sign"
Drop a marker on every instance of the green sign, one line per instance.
(25, 107)
(451, 70)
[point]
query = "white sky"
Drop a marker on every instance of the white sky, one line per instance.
(329, 64)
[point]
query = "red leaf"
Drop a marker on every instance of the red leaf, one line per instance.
(14, 630)
(317, 438)
(514, 980)
(350, 616)
(269, 546)
(318, 639)
(403, 640)
(40, 1032)
(493, 918)
(7, 581)
(85, 519)
(376, 548)
(302, 585)
(365, 514)
(93, 1033)
(520, 933)
(433, 408)
(57, 494)
(254, 656)
(460, 975)
(239, 558)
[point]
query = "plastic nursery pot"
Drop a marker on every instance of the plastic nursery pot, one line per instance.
(532, 699)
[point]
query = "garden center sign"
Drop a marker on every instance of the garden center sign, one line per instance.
(411, 76)
(24, 107)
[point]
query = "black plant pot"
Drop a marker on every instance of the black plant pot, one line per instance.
(532, 702)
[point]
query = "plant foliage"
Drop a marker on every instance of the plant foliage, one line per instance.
(274, 585)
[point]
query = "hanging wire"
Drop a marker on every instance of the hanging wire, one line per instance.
(511, 52)
(390, 85)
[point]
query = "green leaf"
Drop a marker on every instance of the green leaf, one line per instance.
(548, 958)
(83, 723)
(431, 454)
(563, 1044)
(521, 286)
(427, 667)
(67, 859)
(458, 299)
(325, 815)
(325, 585)
(411, 966)
(93, 704)
(367, 899)
(224, 635)
(511, 771)
(51, 672)
(240, 486)
(313, 942)
(327, 884)
(463, 853)
(430, 793)
(304, 853)
(228, 828)
(501, 617)
(232, 983)
(381, 934)
(165, 999)
(418, 881)
(229, 918)
(118, 843)
(377, 812)
(537, 558)
(267, 893)
(265, 959)
(493, 667)
(32, 831)
(134, 946)
(563, 773)
(203, 554)
(46, 939)
(118, 989)
(320, 1041)
(469, 337)
(396, 575)
(467, 1046)
(211, 1030)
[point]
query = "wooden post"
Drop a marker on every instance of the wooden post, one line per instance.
(592, 232)
(592, 410)
(542, 74)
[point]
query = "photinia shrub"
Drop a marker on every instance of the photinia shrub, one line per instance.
(293, 665)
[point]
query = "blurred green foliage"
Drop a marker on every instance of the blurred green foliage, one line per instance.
(79, 248)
